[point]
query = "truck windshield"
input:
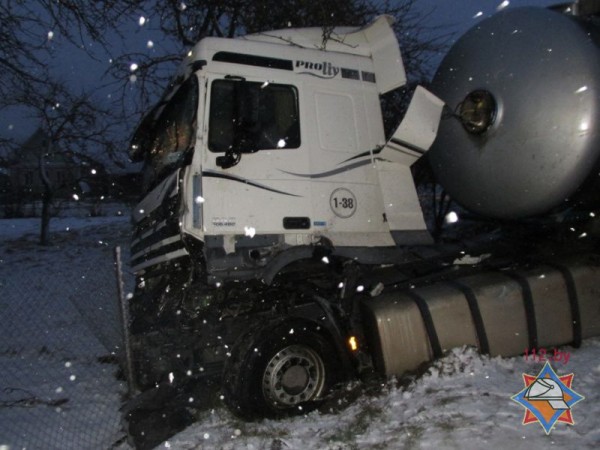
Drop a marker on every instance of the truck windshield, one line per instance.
(170, 139)
(246, 117)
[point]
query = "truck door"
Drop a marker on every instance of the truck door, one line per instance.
(253, 138)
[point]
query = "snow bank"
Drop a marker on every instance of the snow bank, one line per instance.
(462, 401)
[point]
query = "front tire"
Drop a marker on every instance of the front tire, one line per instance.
(280, 372)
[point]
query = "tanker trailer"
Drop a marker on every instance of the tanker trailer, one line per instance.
(525, 86)
(519, 144)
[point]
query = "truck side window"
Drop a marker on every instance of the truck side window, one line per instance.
(172, 136)
(247, 116)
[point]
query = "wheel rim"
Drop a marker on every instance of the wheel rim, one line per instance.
(294, 375)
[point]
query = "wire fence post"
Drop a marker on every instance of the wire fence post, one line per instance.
(124, 309)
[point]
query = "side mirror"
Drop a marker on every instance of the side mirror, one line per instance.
(229, 159)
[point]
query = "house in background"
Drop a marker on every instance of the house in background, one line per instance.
(99, 177)
(62, 170)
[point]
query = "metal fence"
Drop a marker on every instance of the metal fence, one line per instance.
(60, 340)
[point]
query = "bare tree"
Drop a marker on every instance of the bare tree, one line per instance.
(20, 50)
(75, 125)
(29, 28)
(74, 130)
(185, 23)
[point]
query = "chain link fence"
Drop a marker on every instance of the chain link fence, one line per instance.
(60, 343)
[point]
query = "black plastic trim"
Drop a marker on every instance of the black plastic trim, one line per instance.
(296, 223)
(434, 340)
(484, 346)
(408, 145)
(211, 174)
(350, 74)
(254, 60)
(170, 229)
(529, 306)
(165, 249)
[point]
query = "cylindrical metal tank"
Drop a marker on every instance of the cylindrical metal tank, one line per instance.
(502, 313)
(524, 90)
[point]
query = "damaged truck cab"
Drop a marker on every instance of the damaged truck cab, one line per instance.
(267, 176)
(268, 143)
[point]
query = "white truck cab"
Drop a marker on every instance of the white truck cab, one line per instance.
(275, 141)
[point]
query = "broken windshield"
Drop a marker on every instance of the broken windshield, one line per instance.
(171, 138)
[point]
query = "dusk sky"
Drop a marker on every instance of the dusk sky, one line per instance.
(77, 68)
(462, 14)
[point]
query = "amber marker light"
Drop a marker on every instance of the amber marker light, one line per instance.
(353, 343)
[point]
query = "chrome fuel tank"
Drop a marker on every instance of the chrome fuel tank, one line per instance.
(524, 89)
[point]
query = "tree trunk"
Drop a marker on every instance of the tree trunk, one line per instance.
(47, 197)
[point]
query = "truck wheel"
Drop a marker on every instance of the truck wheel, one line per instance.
(284, 371)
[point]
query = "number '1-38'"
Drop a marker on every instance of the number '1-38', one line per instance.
(346, 203)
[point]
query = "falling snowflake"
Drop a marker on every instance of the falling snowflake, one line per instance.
(503, 5)
(451, 217)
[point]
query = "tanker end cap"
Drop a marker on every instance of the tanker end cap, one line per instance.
(523, 135)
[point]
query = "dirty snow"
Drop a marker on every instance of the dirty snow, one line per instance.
(461, 401)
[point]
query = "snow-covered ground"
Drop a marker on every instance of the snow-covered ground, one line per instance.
(462, 401)
(58, 322)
